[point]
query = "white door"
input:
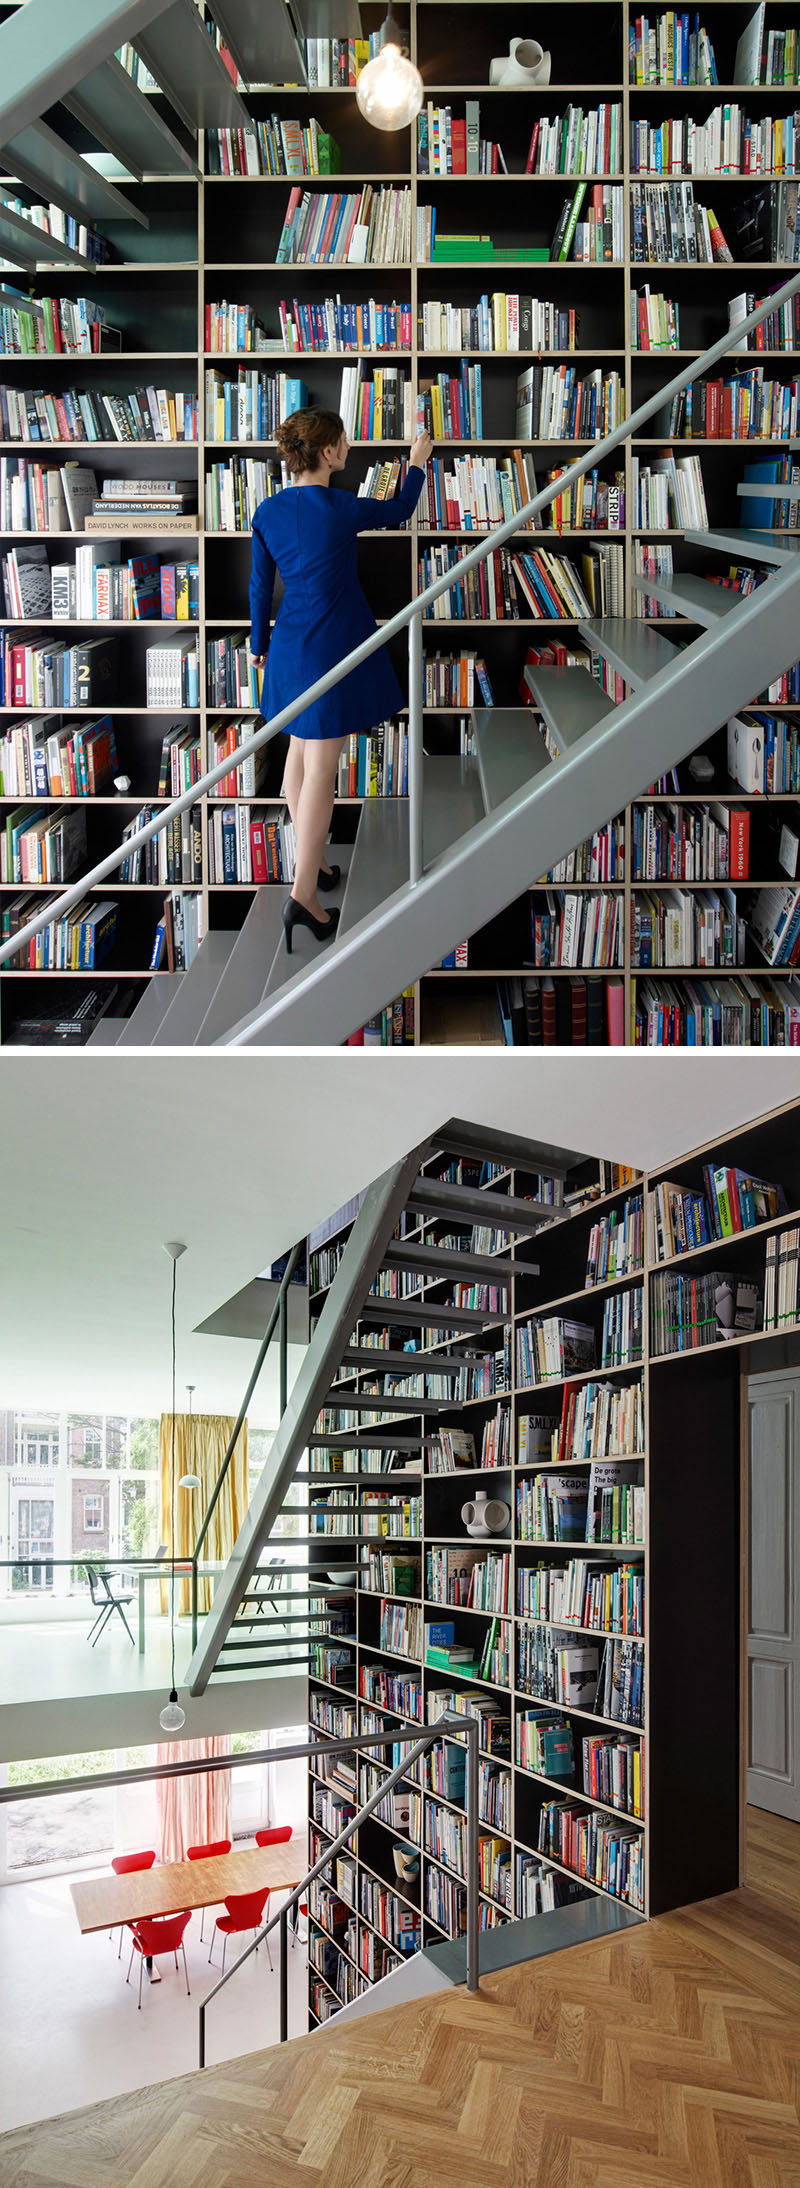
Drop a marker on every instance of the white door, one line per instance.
(773, 1647)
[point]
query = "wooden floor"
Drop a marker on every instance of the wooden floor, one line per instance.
(665, 2057)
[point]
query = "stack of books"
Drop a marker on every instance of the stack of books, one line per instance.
(141, 505)
(444, 1653)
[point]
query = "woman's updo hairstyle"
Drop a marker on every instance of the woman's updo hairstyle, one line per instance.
(301, 440)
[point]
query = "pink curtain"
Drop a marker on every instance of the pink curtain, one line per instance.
(193, 1811)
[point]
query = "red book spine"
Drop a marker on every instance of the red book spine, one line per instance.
(19, 688)
(740, 845)
(258, 850)
(459, 145)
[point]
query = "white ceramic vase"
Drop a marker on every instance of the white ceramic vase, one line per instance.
(485, 1515)
(524, 63)
(406, 1862)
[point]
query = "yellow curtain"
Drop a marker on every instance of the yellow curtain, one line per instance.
(201, 1441)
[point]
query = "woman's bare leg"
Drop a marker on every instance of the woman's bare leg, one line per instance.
(293, 775)
(313, 817)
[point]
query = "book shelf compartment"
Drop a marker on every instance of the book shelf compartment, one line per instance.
(690, 1449)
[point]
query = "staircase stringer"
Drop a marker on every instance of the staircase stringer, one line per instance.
(657, 726)
(374, 1226)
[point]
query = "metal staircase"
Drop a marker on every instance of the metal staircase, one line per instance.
(534, 790)
(255, 1623)
(474, 833)
(63, 62)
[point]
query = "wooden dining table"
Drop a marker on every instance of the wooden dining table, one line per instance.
(105, 1902)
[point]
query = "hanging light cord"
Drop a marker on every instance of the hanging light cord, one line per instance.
(172, 1485)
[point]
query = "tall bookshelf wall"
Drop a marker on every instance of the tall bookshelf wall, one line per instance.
(219, 239)
(691, 1733)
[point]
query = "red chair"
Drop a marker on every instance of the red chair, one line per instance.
(277, 1835)
(245, 1911)
(122, 1864)
(154, 1935)
(204, 1853)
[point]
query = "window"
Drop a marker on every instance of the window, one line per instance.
(92, 1514)
(38, 1444)
(34, 1542)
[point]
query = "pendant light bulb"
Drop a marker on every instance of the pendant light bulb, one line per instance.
(389, 91)
(189, 1481)
(172, 1716)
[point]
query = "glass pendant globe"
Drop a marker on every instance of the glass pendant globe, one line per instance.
(389, 90)
(172, 1716)
(189, 1481)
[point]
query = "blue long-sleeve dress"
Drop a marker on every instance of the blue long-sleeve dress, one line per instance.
(309, 534)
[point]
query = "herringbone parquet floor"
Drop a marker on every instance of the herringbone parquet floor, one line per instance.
(666, 2057)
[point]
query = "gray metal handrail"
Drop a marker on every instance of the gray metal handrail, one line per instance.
(410, 617)
(278, 1315)
(450, 1723)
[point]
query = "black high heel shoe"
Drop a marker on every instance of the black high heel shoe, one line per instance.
(296, 915)
(326, 881)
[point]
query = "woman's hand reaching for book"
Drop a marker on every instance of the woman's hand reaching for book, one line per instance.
(421, 449)
(258, 660)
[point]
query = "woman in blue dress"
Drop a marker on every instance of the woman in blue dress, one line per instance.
(309, 534)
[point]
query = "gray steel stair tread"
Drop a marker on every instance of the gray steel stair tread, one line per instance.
(452, 801)
(52, 169)
(175, 46)
(197, 986)
(755, 546)
(379, 861)
(107, 1032)
(305, 947)
(145, 1020)
(253, 30)
(625, 641)
(571, 702)
(415, 1363)
(510, 750)
(118, 114)
(29, 246)
(476, 1204)
(406, 1253)
(429, 1316)
(244, 979)
(384, 1402)
(696, 597)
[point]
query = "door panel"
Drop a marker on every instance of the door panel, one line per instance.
(773, 1779)
(770, 1717)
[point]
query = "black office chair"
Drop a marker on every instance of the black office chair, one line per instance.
(105, 1602)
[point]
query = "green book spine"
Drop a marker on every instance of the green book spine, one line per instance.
(573, 221)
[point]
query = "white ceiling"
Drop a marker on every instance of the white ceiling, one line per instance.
(104, 1157)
